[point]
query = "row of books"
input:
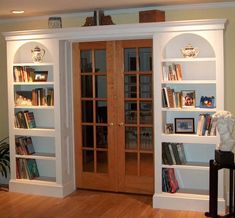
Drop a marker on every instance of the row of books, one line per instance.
(206, 125)
(169, 181)
(24, 145)
(171, 72)
(23, 74)
(173, 153)
(26, 169)
(170, 98)
(25, 119)
(28, 74)
(36, 97)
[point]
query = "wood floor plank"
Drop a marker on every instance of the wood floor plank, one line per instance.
(85, 204)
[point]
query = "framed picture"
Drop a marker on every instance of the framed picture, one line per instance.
(169, 128)
(188, 98)
(40, 76)
(184, 125)
(207, 102)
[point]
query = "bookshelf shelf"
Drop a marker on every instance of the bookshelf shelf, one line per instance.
(189, 193)
(33, 83)
(202, 59)
(40, 156)
(189, 138)
(202, 76)
(30, 64)
(38, 181)
(35, 132)
(201, 82)
(196, 109)
(35, 107)
(190, 166)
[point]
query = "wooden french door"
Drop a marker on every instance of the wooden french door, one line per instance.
(113, 111)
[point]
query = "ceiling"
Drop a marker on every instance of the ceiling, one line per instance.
(49, 7)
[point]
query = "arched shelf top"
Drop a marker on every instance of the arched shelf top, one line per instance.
(173, 47)
(24, 53)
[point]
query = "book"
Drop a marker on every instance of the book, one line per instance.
(20, 120)
(170, 93)
(165, 72)
(164, 157)
(173, 183)
(178, 71)
(181, 152)
(169, 180)
(166, 96)
(171, 72)
(22, 168)
(176, 153)
(165, 184)
(50, 97)
(32, 168)
(164, 100)
(31, 120)
(200, 124)
(20, 146)
(172, 153)
(29, 145)
(166, 153)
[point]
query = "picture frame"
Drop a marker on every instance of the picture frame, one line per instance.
(188, 98)
(40, 76)
(207, 102)
(184, 125)
(169, 129)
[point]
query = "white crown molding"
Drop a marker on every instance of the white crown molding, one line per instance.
(120, 31)
(125, 11)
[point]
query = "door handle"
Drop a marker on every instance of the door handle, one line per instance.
(111, 124)
(121, 124)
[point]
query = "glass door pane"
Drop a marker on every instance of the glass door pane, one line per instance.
(138, 110)
(94, 111)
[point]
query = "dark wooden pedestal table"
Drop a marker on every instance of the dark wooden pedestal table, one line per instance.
(213, 189)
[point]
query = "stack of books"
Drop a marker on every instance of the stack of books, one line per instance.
(173, 153)
(25, 119)
(26, 168)
(171, 72)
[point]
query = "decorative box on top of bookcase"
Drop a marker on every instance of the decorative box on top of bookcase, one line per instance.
(42, 99)
(203, 75)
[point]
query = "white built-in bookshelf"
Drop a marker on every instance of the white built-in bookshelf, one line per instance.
(53, 136)
(204, 75)
(51, 139)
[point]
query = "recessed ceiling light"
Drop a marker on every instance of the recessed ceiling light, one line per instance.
(17, 11)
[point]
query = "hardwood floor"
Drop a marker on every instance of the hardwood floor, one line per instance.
(85, 204)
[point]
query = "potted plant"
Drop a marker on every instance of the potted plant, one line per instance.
(4, 157)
